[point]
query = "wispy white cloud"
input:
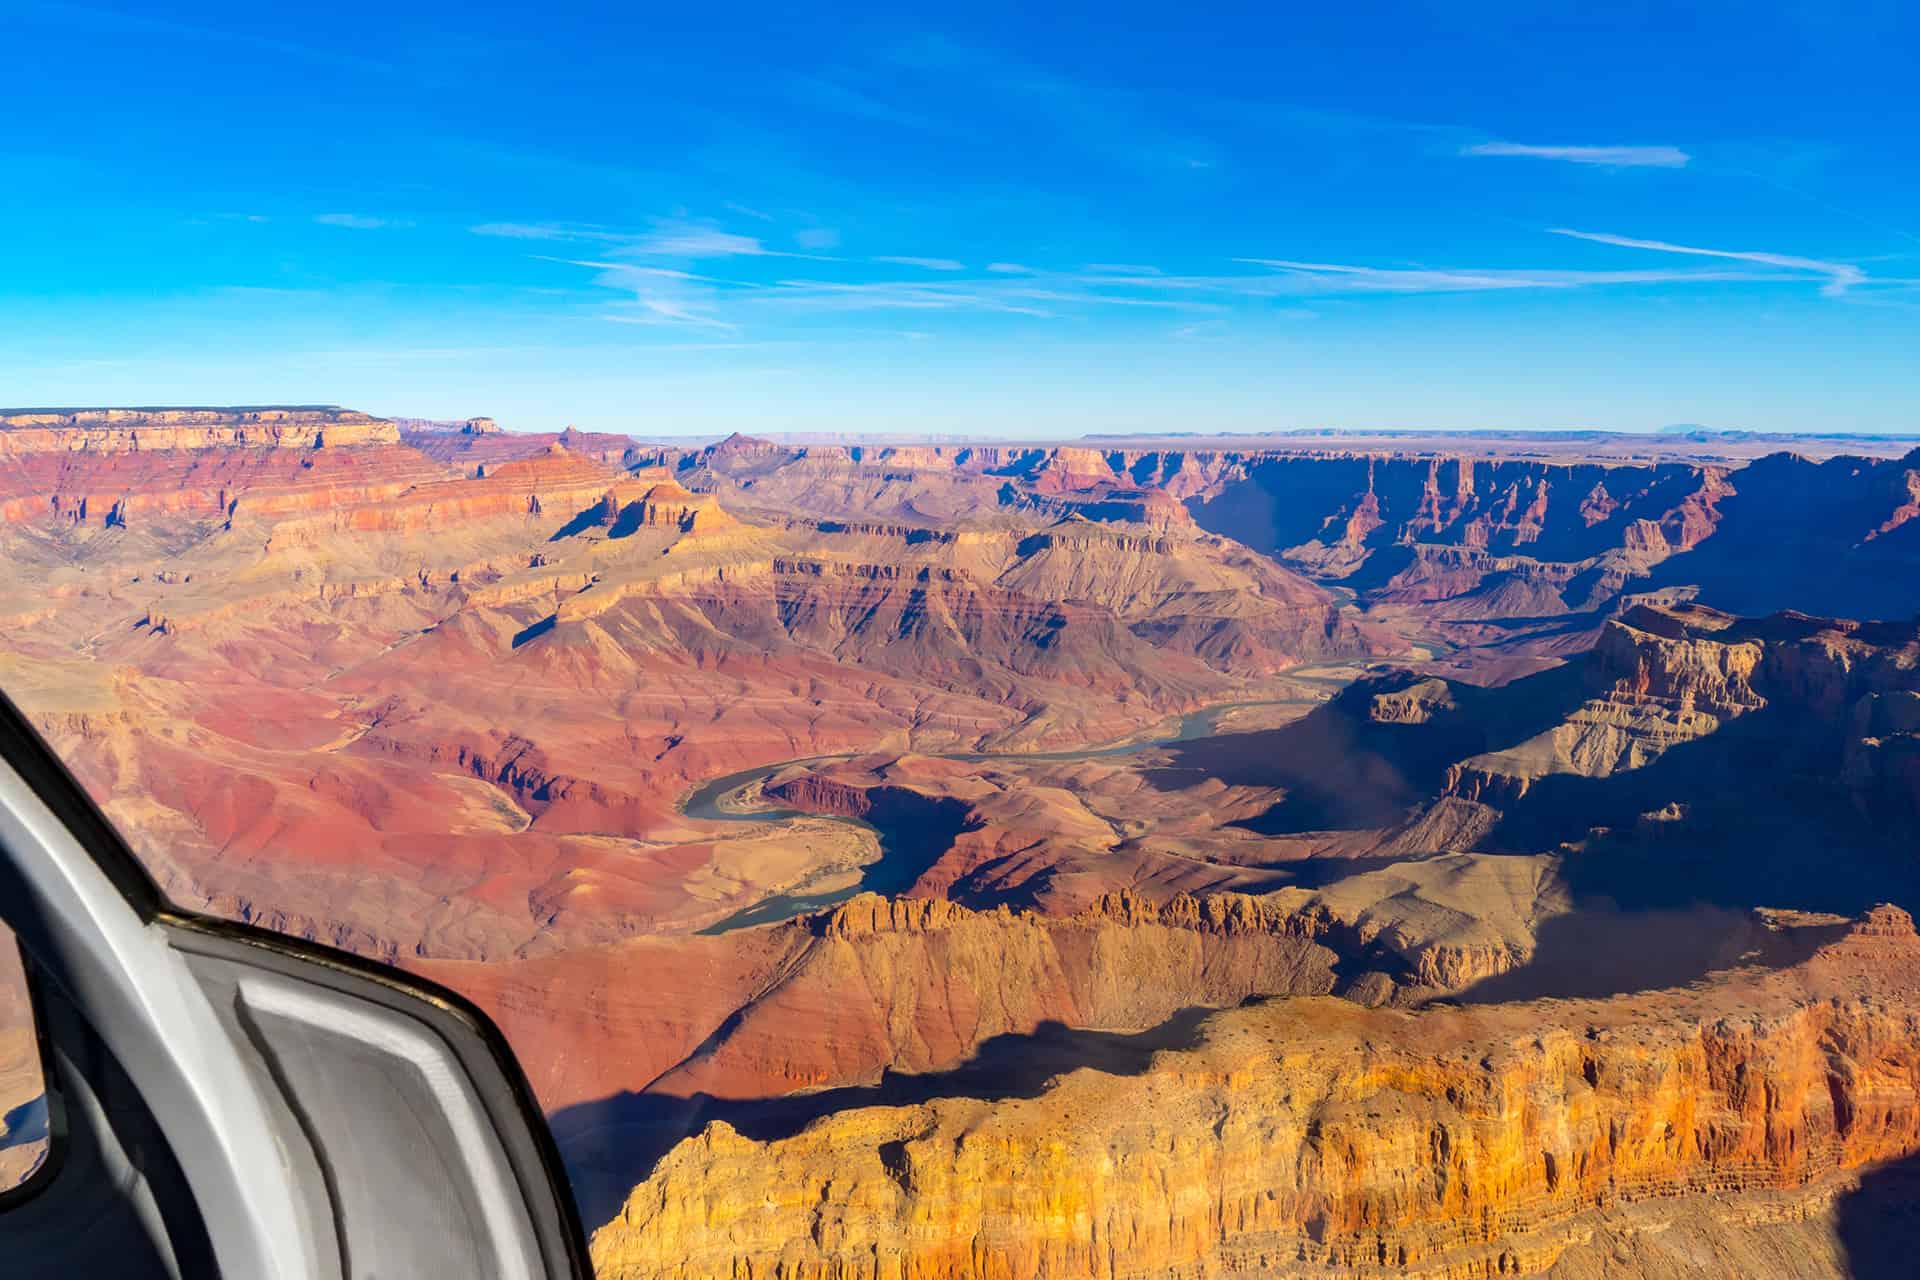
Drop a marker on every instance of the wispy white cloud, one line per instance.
(670, 238)
(357, 221)
(1610, 157)
(660, 295)
(690, 240)
(1400, 280)
(545, 231)
(663, 284)
(1037, 296)
(681, 239)
(1332, 278)
(656, 310)
(889, 295)
(625, 271)
(931, 264)
(1840, 276)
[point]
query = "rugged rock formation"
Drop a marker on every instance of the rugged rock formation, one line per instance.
(26, 431)
(657, 503)
(109, 468)
(309, 674)
(734, 1024)
(1486, 551)
(442, 696)
(531, 489)
(1505, 539)
(1307, 1137)
(1836, 691)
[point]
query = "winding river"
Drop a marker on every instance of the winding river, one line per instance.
(908, 848)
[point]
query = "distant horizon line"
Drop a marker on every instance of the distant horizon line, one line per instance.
(1675, 431)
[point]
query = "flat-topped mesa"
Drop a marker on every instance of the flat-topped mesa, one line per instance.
(1066, 470)
(541, 488)
(31, 431)
(745, 450)
(1154, 507)
(123, 467)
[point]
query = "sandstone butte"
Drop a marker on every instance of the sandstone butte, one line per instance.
(1313, 1137)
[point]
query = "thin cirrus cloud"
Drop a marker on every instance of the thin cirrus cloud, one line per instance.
(544, 231)
(1329, 277)
(650, 310)
(1043, 298)
(930, 264)
(663, 283)
(356, 221)
(1609, 157)
(699, 240)
(1840, 276)
(624, 271)
(668, 239)
(828, 295)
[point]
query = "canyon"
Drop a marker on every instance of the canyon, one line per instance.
(1277, 855)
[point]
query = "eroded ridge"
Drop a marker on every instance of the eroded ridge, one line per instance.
(1314, 1137)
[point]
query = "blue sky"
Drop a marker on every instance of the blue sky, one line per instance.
(976, 221)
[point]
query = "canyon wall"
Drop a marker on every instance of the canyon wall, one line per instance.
(1312, 1137)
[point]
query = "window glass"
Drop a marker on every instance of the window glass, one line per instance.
(23, 1091)
(1091, 640)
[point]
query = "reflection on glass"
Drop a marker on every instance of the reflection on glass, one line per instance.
(23, 1089)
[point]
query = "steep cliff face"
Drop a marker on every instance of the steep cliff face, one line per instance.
(1313, 1138)
(442, 701)
(1429, 535)
(97, 431)
(939, 980)
(1549, 511)
(655, 503)
(1509, 538)
(1659, 678)
(120, 476)
(544, 486)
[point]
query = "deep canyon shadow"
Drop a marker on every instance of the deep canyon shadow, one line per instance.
(611, 1145)
(1879, 1223)
(1342, 769)
(1599, 951)
(1748, 816)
